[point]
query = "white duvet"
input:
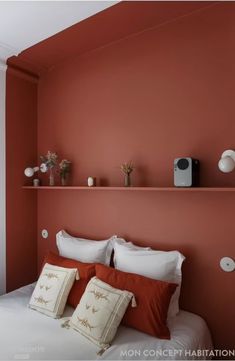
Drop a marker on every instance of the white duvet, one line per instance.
(26, 334)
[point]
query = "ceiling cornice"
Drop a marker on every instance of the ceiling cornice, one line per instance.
(6, 51)
(21, 24)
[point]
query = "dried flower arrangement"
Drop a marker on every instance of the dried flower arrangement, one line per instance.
(50, 159)
(51, 163)
(127, 169)
(65, 167)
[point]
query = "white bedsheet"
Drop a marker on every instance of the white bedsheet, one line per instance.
(28, 335)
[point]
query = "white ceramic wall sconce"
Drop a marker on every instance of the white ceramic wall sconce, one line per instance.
(29, 172)
(227, 162)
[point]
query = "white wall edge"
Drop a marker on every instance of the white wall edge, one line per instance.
(5, 53)
(3, 68)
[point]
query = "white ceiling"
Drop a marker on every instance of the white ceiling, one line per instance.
(25, 23)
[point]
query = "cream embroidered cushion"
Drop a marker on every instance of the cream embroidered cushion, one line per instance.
(100, 312)
(52, 290)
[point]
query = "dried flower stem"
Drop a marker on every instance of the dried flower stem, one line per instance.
(127, 168)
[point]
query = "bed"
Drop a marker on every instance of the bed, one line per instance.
(27, 334)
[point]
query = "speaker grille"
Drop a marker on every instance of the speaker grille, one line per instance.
(183, 163)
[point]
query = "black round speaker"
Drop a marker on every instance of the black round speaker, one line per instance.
(183, 163)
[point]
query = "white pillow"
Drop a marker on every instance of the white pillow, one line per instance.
(85, 250)
(159, 265)
(131, 246)
(52, 290)
(100, 312)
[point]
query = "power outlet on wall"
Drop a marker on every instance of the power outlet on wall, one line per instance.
(44, 233)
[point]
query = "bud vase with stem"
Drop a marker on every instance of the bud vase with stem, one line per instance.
(127, 180)
(51, 177)
(64, 179)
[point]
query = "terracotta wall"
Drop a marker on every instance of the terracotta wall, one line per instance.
(164, 93)
(21, 151)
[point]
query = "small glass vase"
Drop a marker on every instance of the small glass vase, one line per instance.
(64, 179)
(127, 180)
(51, 177)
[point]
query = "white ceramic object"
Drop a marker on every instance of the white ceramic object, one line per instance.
(227, 264)
(36, 182)
(43, 168)
(29, 172)
(227, 162)
(91, 181)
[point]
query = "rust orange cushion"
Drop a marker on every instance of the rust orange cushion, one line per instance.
(86, 272)
(152, 297)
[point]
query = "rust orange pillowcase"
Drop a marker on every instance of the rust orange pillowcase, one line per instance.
(152, 297)
(86, 272)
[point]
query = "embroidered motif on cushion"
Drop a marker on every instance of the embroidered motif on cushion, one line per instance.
(41, 300)
(99, 295)
(51, 275)
(84, 322)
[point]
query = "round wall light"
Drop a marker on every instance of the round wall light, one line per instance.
(29, 172)
(227, 162)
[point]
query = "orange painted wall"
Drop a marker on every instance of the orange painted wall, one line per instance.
(21, 151)
(164, 93)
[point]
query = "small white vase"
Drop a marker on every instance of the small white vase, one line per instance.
(91, 181)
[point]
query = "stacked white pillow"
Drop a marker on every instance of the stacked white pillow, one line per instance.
(85, 250)
(159, 265)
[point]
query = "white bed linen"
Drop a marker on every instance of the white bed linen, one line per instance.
(27, 334)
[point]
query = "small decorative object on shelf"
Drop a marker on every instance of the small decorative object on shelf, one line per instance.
(50, 160)
(36, 182)
(29, 172)
(127, 169)
(65, 168)
(227, 161)
(91, 181)
(186, 172)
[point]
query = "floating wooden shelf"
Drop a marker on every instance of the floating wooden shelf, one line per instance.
(145, 189)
